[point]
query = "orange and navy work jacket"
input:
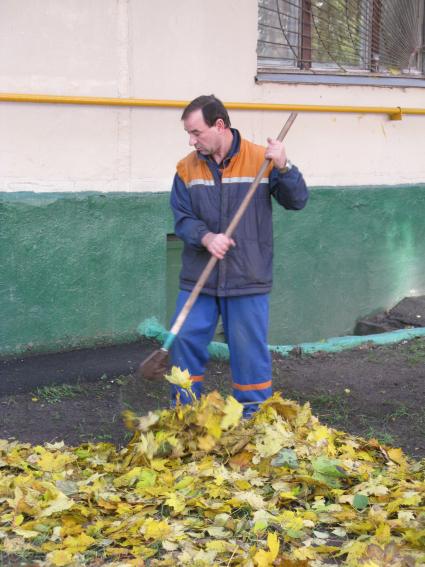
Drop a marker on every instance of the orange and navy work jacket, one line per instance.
(205, 197)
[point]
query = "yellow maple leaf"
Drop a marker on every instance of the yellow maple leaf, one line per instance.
(213, 425)
(79, 543)
(206, 443)
(303, 415)
(219, 545)
(147, 421)
(291, 521)
(176, 502)
(58, 504)
(144, 423)
(53, 462)
(286, 408)
(272, 439)
(206, 558)
(252, 498)
(129, 478)
(232, 413)
(59, 557)
(156, 530)
(184, 482)
(179, 377)
(266, 558)
(354, 550)
(304, 553)
(242, 484)
(70, 526)
(321, 435)
(397, 456)
(18, 520)
(383, 533)
(406, 517)
(26, 533)
(158, 464)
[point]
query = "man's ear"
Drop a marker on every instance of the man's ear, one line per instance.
(219, 124)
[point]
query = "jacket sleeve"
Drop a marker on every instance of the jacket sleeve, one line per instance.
(289, 189)
(187, 225)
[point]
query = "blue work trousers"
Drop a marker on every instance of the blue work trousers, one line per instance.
(245, 321)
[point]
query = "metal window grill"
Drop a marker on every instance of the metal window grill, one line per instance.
(346, 36)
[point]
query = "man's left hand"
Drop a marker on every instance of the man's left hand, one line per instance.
(276, 151)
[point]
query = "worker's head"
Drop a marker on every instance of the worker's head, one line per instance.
(207, 122)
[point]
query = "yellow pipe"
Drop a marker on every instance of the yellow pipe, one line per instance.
(395, 112)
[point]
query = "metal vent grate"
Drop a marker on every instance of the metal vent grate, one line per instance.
(346, 36)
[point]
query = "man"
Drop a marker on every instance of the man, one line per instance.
(208, 188)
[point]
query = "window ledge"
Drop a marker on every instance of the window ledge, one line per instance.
(340, 80)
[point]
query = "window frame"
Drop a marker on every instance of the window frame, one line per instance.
(307, 74)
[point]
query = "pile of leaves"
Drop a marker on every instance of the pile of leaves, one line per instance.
(199, 485)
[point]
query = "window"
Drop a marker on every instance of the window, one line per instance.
(376, 38)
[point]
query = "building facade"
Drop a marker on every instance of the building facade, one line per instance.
(84, 189)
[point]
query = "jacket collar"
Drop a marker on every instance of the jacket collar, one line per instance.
(234, 149)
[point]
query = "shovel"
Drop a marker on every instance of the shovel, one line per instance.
(156, 365)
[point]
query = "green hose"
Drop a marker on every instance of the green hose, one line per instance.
(152, 329)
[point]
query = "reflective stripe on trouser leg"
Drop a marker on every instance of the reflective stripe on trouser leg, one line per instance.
(189, 350)
(246, 321)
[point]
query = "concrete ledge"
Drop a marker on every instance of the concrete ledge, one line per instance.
(150, 328)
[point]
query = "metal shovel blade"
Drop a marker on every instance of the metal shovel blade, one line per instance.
(154, 366)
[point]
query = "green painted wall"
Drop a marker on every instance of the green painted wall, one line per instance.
(85, 269)
(351, 252)
(79, 269)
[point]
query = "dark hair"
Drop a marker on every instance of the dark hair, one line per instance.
(212, 110)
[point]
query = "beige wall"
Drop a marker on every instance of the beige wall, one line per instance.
(171, 50)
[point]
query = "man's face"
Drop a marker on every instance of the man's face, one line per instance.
(204, 138)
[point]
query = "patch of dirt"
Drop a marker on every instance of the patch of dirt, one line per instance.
(373, 392)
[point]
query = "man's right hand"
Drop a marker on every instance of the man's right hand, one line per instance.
(217, 244)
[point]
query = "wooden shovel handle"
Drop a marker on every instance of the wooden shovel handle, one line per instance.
(181, 318)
